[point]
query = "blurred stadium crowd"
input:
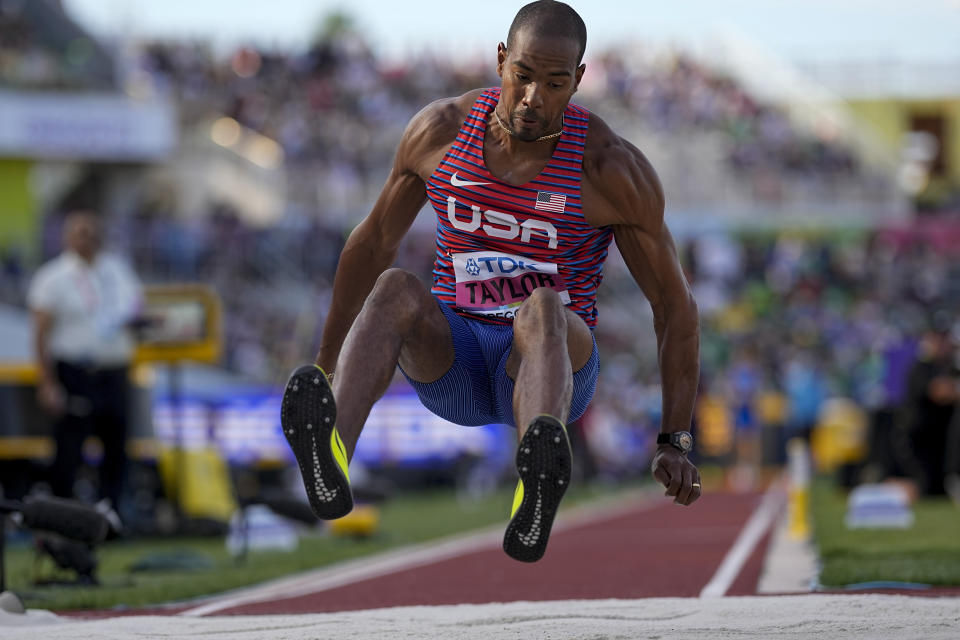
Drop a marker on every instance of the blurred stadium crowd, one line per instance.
(790, 318)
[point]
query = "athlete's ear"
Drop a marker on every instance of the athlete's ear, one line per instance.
(501, 58)
(578, 76)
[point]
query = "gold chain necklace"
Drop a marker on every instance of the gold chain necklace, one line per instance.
(547, 137)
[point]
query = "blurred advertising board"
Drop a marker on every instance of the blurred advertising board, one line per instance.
(180, 322)
(400, 432)
(85, 126)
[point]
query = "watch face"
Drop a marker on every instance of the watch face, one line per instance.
(685, 441)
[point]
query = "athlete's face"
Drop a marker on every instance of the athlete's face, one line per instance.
(539, 76)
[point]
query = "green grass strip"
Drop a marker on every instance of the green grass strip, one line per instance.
(927, 553)
(407, 519)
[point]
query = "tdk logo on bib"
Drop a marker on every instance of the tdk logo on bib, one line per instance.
(493, 283)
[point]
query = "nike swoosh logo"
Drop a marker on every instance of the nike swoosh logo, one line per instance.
(322, 493)
(457, 182)
(531, 537)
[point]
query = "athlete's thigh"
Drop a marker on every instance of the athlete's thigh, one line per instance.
(579, 340)
(427, 352)
(579, 345)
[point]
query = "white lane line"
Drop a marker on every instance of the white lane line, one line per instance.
(352, 571)
(751, 534)
(413, 556)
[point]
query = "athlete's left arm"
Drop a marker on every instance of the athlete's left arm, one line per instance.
(622, 190)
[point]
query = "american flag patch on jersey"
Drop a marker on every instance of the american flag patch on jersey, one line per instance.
(547, 201)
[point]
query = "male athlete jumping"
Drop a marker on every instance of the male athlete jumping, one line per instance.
(528, 190)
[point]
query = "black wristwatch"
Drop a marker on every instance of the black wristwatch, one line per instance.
(682, 440)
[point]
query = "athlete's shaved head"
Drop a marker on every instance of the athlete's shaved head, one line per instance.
(549, 18)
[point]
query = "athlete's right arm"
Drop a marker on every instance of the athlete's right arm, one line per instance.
(372, 245)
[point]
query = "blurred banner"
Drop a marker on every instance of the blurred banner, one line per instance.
(84, 126)
(245, 427)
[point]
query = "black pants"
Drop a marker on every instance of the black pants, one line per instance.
(953, 446)
(883, 453)
(97, 403)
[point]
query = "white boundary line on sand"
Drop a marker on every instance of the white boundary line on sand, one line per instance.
(751, 534)
(414, 556)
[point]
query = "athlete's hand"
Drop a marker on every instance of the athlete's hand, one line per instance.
(673, 470)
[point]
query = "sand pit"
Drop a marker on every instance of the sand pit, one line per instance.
(835, 617)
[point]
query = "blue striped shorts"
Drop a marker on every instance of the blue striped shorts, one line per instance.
(477, 390)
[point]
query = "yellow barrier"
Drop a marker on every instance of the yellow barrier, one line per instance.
(798, 506)
(18, 373)
(362, 522)
(43, 448)
(26, 448)
(840, 436)
(198, 479)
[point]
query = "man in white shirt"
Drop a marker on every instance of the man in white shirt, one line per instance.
(82, 304)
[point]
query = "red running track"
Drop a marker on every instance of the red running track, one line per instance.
(658, 550)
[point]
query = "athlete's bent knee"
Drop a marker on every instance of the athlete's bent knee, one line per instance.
(397, 278)
(542, 311)
(395, 282)
(400, 290)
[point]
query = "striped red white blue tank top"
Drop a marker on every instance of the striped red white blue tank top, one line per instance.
(496, 242)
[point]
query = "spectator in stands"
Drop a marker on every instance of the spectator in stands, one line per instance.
(804, 386)
(83, 304)
(951, 481)
(898, 354)
(932, 390)
(745, 378)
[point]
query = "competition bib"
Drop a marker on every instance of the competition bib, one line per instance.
(494, 284)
